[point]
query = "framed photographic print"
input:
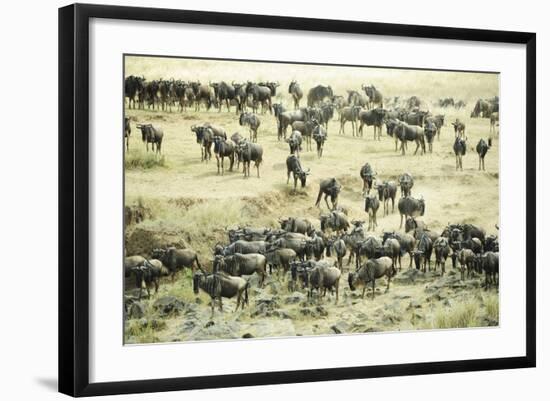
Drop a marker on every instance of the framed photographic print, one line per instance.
(285, 200)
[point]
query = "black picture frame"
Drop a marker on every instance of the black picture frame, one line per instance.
(74, 198)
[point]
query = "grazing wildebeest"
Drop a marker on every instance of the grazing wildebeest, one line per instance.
(253, 122)
(374, 95)
(386, 191)
(459, 148)
(349, 113)
(175, 259)
(223, 149)
(261, 94)
(481, 149)
(367, 175)
(374, 117)
(368, 273)
(405, 132)
(490, 265)
(127, 132)
(295, 143)
(293, 166)
(277, 258)
(240, 264)
(371, 207)
(423, 252)
(248, 152)
(221, 285)
(329, 187)
(205, 139)
(406, 182)
(430, 131)
(317, 94)
(296, 92)
(151, 135)
(460, 128)
(297, 225)
(410, 206)
(442, 250)
(466, 257)
(335, 221)
(406, 244)
(338, 247)
(494, 119)
(319, 134)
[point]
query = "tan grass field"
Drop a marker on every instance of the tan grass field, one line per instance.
(189, 204)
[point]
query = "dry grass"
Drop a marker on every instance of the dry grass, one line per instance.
(463, 314)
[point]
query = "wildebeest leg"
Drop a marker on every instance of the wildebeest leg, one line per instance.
(417, 146)
(326, 201)
(257, 168)
(373, 286)
(388, 277)
(401, 224)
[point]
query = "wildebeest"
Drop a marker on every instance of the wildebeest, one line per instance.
(446, 102)
(250, 152)
(490, 265)
(221, 285)
(414, 118)
(392, 249)
(349, 113)
(127, 132)
(357, 99)
(337, 246)
(205, 139)
(133, 86)
(335, 221)
(371, 248)
(459, 148)
(391, 124)
(386, 191)
(151, 135)
(223, 149)
(423, 252)
(367, 174)
(329, 187)
(374, 95)
(466, 258)
(296, 93)
(293, 166)
(405, 132)
(149, 273)
(132, 261)
(295, 241)
(280, 258)
(371, 207)
(406, 182)
(372, 270)
(253, 122)
(315, 247)
(261, 94)
(406, 244)
(317, 94)
(297, 225)
(409, 206)
(374, 117)
(286, 118)
(295, 143)
(484, 107)
(412, 224)
(438, 120)
(494, 119)
(320, 276)
(240, 264)
(460, 128)
(481, 148)
(306, 129)
(226, 93)
(327, 114)
(320, 136)
(175, 259)
(430, 130)
(413, 102)
(442, 250)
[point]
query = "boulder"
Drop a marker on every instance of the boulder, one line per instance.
(168, 305)
(341, 327)
(136, 310)
(295, 298)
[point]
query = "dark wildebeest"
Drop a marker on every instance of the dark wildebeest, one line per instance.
(222, 149)
(250, 152)
(372, 204)
(338, 247)
(151, 135)
(438, 120)
(466, 258)
(406, 182)
(149, 273)
(306, 129)
(277, 258)
(320, 276)
(442, 250)
(203, 94)
(460, 128)
(286, 118)
(368, 273)
(430, 131)
(371, 248)
(490, 265)
(459, 148)
(412, 224)
(481, 149)
(406, 244)
(319, 135)
(253, 122)
(205, 139)
(317, 94)
(409, 206)
(391, 124)
(374, 117)
(315, 247)
(240, 264)
(329, 187)
(423, 252)
(297, 225)
(413, 102)
(175, 259)
(374, 95)
(296, 92)
(293, 166)
(446, 102)
(392, 249)
(127, 132)
(405, 132)
(295, 143)
(133, 86)
(327, 114)
(261, 94)
(220, 285)
(334, 221)
(295, 241)
(386, 191)
(349, 113)
(357, 99)
(494, 119)
(367, 174)
(226, 93)
(414, 118)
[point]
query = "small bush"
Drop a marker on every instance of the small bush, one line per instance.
(144, 161)
(492, 307)
(458, 316)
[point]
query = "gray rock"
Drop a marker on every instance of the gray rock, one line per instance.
(341, 327)
(295, 298)
(136, 310)
(414, 305)
(168, 305)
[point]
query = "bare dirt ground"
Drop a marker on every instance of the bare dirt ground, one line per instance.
(189, 204)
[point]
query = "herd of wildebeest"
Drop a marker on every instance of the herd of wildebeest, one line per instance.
(314, 257)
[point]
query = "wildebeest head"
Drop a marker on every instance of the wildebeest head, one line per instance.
(158, 253)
